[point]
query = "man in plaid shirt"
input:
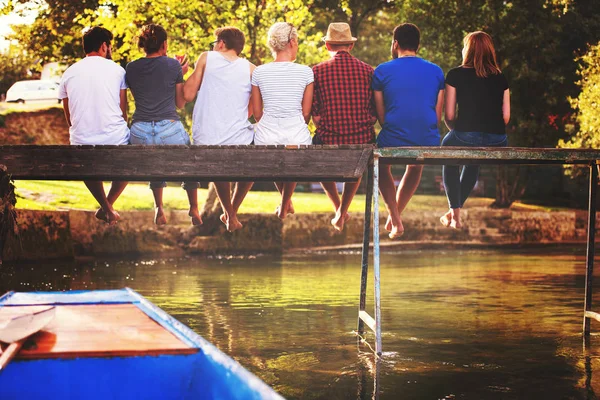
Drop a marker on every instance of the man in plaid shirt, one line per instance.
(343, 109)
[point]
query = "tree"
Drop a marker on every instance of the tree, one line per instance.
(587, 104)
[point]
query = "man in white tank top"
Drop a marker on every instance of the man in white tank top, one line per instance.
(222, 84)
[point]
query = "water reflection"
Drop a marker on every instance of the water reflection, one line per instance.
(456, 324)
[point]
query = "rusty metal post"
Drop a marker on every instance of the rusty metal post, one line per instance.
(365, 247)
(589, 270)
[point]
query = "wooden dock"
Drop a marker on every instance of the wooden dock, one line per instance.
(289, 163)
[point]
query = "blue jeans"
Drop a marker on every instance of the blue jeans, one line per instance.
(161, 132)
(459, 184)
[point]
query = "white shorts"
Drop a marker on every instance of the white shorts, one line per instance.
(281, 131)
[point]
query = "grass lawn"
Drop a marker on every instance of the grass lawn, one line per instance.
(58, 195)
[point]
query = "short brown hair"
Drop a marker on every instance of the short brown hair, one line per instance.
(480, 54)
(408, 36)
(233, 38)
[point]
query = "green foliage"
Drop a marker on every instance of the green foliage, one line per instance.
(587, 104)
(14, 66)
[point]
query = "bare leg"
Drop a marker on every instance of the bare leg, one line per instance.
(159, 214)
(279, 186)
(331, 191)
(388, 192)
(96, 188)
(408, 185)
(286, 198)
(455, 222)
(341, 215)
(194, 212)
(116, 188)
(224, 193)
(239, 194)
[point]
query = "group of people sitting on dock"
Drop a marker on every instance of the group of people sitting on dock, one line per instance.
(344, 96)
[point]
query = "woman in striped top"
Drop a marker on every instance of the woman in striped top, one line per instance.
(282, 93)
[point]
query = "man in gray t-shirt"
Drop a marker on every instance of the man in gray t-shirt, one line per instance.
(154, 102)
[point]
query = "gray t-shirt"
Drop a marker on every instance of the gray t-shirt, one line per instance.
(152, 82)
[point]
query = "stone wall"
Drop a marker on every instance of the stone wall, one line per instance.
(66, 234)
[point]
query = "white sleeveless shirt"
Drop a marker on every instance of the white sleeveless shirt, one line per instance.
(221, 111)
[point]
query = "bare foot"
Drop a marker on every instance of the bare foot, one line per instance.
(196, 218)
(111, 218)
(101, 215)
(396, 231)
(388, 224)
(281, 214)
(445, 219)
(159, 216)
(290, 209)
(456, 224)
(338, 222)
(233, 224)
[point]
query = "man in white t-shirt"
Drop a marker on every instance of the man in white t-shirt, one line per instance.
(94, 97)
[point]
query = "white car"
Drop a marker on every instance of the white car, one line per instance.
(25, 91)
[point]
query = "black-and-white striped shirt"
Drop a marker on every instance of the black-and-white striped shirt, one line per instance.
(282, 86)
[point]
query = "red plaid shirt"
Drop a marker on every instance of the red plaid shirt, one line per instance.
(344, 100)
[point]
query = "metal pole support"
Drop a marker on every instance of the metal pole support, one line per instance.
(589, 271)
(365, 247)
(378, 349)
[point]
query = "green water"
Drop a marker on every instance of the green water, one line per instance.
(456, 324)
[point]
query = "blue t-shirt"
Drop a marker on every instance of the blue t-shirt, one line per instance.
(410, 87)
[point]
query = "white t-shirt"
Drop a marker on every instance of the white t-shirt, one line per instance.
(92, 86)
(282, 87)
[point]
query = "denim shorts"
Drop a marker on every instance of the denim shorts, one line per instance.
(474, 139)
(163, 132)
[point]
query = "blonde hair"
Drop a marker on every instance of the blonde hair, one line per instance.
(280, 34)
(479, 53)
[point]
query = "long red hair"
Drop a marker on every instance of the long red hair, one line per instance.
(479, 53)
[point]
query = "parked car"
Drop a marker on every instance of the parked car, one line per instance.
(32, 90)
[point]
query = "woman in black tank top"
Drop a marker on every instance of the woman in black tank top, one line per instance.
(481, 92)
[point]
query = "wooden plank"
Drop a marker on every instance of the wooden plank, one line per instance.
(195, 163)
(483, 155)
(367, 319)
(98, 330)
(592, 315)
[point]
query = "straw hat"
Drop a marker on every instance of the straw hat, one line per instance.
(339, 33)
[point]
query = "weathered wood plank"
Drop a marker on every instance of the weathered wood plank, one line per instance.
(483, 155)
(98, 330)
(178, 163)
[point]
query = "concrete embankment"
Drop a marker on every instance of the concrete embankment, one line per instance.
(68, 234)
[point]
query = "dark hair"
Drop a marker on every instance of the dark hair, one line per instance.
(232, 37)
(151, 38)
(408, 36)
(93, 39)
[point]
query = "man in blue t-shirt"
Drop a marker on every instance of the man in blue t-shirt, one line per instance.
(409, 93)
